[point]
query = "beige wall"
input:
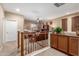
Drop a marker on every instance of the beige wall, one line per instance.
(58, 22)
(27, 24)
(1, 24)
(9, 16)
(69, 22)
(16, 17)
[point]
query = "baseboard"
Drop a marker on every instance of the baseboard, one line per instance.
(38, 51)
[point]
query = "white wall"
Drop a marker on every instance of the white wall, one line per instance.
(16, 17)
(13, 17)
(1, 24)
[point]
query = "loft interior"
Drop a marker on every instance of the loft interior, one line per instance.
(36, 28)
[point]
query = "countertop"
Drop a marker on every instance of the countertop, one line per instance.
(72, 35)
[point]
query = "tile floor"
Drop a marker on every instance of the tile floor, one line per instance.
(9, 49)
(51, 52)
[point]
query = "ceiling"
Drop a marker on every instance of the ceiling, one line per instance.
(43, 11)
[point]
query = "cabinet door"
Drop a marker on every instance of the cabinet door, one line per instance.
(73, 46)
(54, 41)
(63, 43)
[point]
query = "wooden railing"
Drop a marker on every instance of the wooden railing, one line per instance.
(30, 42)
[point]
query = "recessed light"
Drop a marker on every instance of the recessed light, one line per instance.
(67, 13)
(18, 10)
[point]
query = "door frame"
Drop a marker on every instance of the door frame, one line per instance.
(4, 29)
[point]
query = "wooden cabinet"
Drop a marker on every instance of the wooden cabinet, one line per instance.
(54, 41)
(63, 43)
(73, 45)
(60, 42)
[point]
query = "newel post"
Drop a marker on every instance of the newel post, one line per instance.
(22, 44)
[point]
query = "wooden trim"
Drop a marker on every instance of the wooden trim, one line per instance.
(18, 39)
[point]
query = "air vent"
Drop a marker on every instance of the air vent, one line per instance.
(58, 4)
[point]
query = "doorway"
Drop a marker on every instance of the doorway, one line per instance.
(10, 30)
(9, 38)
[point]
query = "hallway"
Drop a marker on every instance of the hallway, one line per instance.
(9, 49)
(27, 28)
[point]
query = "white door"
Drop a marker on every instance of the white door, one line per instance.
(11, 31)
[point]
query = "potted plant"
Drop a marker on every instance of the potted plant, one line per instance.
(58, 30)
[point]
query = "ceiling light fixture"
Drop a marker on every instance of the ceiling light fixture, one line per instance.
(18, 10)
(67, 13)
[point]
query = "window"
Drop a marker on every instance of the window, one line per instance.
(64, 24)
